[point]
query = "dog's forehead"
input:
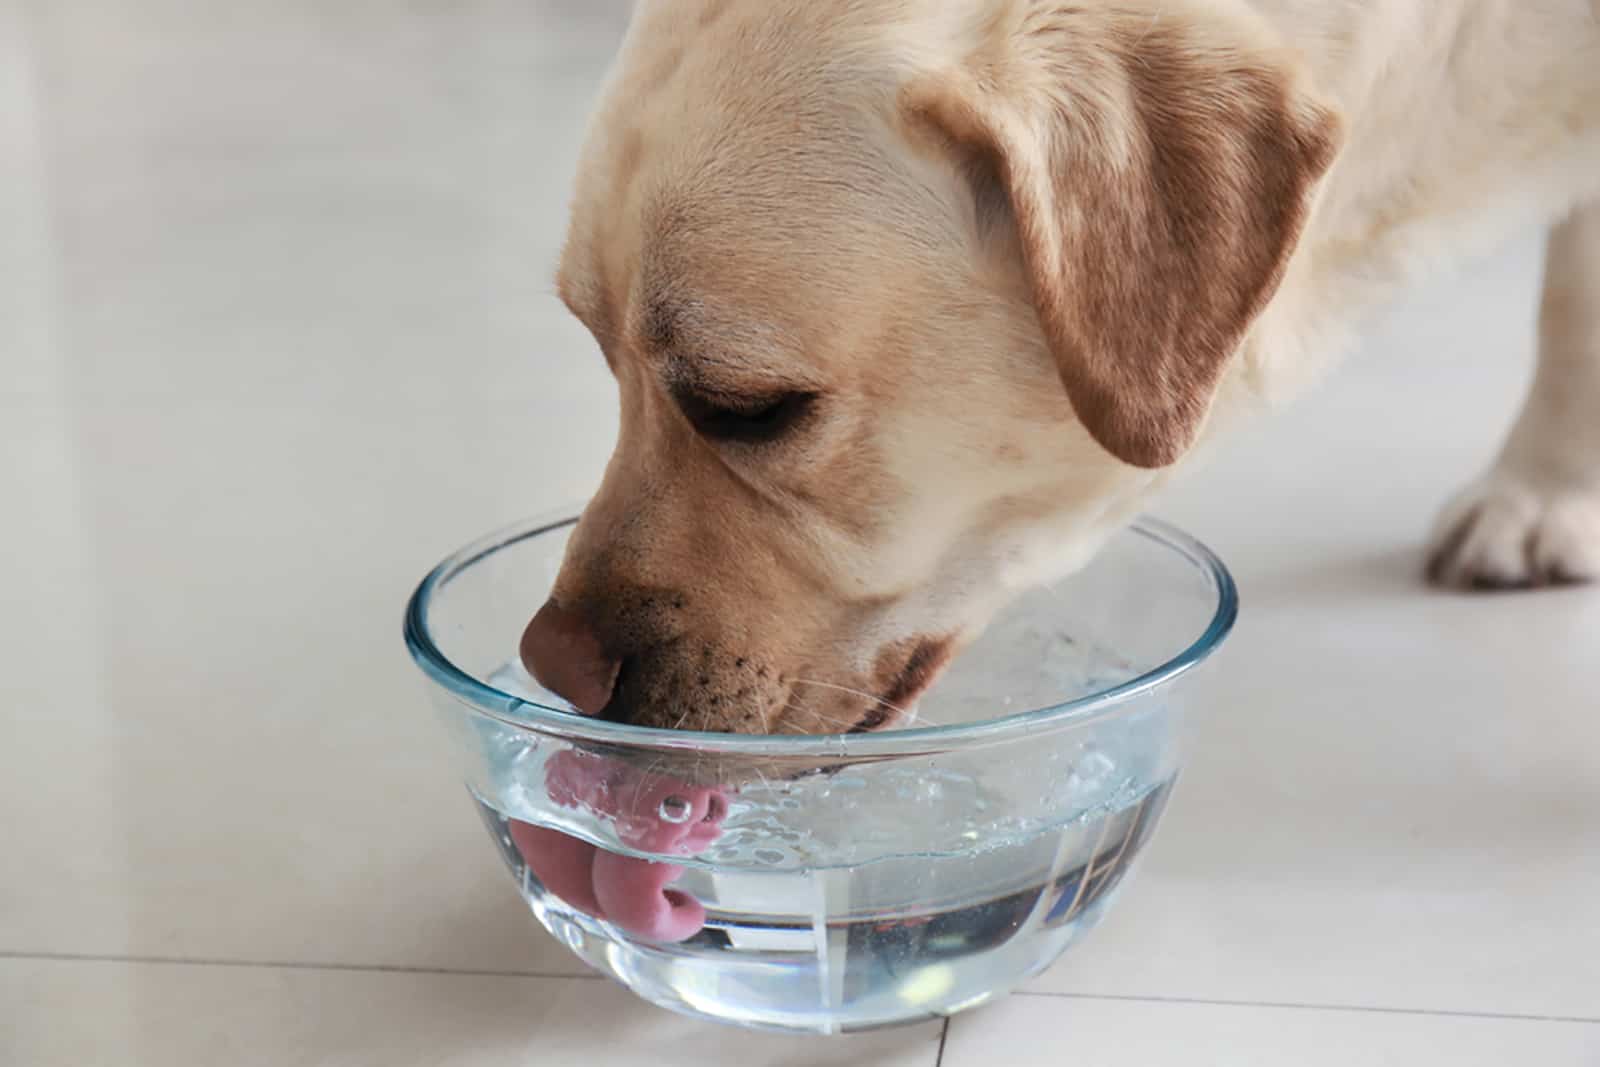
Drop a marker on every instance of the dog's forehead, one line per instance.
(745, 175)
(669, 239)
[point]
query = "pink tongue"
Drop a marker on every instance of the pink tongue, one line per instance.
(652, 814)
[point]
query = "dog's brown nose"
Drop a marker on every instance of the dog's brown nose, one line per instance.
(566, 656)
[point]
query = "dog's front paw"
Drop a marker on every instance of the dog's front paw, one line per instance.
(1506, 533)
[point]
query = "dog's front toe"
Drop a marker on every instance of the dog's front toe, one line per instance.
(1505, 534)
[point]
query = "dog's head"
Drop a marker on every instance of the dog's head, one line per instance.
(910, 304)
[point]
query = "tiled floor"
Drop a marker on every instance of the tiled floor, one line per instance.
(276, 333)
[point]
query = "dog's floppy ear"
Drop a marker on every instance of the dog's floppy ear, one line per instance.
(1158, 166)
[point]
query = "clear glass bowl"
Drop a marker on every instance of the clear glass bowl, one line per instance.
(828, 884)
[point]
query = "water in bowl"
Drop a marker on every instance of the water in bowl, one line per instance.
(846, 882)
(835, 949)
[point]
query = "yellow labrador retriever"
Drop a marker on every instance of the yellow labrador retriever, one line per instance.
(912, 303)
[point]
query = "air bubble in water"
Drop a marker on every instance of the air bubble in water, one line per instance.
(675, 810)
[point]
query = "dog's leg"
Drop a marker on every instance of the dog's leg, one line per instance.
(1534, 519)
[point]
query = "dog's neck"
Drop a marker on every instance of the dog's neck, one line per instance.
(1456, 138)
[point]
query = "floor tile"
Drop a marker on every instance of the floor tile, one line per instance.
(1394, 796)
(1050, 1031)
(227, 752)
(278, 332)
(280, 351)
(67, 1014)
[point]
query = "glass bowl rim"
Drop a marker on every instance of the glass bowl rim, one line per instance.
(515, 712)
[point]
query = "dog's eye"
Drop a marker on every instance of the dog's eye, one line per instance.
(756, 422)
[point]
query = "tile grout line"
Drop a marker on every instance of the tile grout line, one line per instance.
(1288, 1005)
(286, 965)
(944, 1032)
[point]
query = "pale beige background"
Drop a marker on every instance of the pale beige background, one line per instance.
(276, 333)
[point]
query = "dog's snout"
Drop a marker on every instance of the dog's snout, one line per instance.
(566, 655)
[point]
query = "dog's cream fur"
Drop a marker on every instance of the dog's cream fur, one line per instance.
(1019, 259)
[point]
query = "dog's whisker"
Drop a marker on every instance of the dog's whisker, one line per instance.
(687, 711)
(908, 716)
(853, 692)
(787, 706)
(766, 783)
(832, 722)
